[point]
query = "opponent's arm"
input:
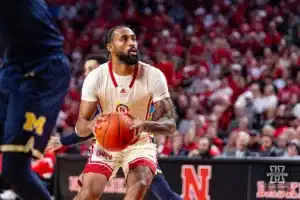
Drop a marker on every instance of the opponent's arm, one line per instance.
(57, 142)
(163, 118)
(74, 139)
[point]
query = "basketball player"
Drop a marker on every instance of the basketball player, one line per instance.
(159, 186)
(93, 61)
(34, 79)
(124, 84)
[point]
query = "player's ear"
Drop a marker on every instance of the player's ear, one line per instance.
(109, 47)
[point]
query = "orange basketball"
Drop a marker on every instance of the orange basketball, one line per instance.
(114, 133)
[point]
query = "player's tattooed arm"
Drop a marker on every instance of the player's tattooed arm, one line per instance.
(163, 118)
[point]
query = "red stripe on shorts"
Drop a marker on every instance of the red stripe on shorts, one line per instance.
(98, 168)
(143, 162)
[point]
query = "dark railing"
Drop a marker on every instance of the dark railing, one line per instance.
(216, 179)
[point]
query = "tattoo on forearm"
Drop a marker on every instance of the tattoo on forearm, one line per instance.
(164, 109)
(163, 118)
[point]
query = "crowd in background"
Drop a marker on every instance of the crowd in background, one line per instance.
(233, 68)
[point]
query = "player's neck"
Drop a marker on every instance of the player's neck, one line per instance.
(122, 69)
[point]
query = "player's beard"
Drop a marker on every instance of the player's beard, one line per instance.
(128, 59)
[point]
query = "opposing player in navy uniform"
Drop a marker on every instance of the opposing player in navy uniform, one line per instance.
(34, 78)
(159, 186)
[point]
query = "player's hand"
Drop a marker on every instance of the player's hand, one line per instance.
(53, 144)
(101, 117)
(95, 123)
(138, 125)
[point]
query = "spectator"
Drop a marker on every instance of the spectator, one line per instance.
(298, 133)
(241, 145)
(224, 89)
(186, 123)
(177, 146)
(160, 141)
(181, 105)
(253, 145)
(293, 149)
(165, 66)
(269, 100)
(281, 144)
(200, 82)
(205, 150)
(189, 142)
(68, 11)
(268, 130)
(243, 124)
(267, 146)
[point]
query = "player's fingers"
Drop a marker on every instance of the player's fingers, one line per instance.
(102, 118)
(135, 126)
(136, 137)
(132, 127)
(51, 149)
(94, 127)
(50, 143)
(97, 124)
(48, 149)
(129, 115)
(103, 115)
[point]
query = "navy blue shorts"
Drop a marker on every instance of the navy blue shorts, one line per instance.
(30, 100)
(158, 170)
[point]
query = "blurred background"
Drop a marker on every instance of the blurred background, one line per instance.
(232, 66)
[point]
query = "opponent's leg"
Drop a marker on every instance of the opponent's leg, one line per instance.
(161, 189)
(17, 171)
(93, 185)
(138, 182)
(26, 132)
(31, 115)
(3, 111)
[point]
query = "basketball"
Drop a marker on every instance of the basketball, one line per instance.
(114, 133)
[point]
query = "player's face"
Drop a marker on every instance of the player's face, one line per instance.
(124, 46)
(89, 66)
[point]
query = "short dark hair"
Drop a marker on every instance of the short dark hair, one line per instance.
(99, 58)
(110, 35)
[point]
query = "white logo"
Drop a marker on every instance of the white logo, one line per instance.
(277, 174)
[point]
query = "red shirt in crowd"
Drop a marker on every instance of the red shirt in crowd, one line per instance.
(45, 167)
(167, 68)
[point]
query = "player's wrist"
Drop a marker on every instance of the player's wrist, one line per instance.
(90, 128)
(62, 141)
(146, 125)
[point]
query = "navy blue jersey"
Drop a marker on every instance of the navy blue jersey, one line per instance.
(28, 31)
